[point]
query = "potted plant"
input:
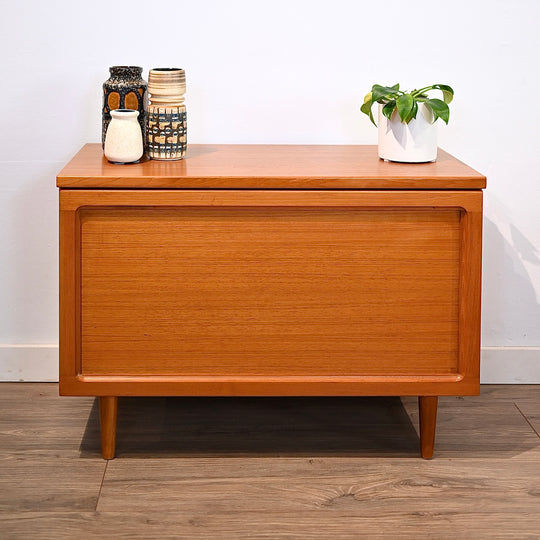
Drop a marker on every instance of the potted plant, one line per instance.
(407, 129)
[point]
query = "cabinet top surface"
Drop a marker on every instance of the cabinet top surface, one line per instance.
(269, 166)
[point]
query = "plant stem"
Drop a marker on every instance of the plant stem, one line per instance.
(415, 93)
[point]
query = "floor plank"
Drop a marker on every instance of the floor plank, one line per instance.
(269, 467)
(306, 526)
(40, 459)
(475, 429)
(35, 420)
(360, 486)
(529, 407)
(29, 483)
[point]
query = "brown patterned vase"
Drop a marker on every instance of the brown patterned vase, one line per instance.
(166, 129)
(124, 89)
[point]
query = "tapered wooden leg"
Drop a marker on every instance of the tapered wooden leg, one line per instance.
(108, 407)
(428, 420)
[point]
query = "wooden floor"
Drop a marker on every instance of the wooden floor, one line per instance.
(269, 467)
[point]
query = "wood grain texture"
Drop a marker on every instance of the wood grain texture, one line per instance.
(40, 439)
(69, 295)
(73, 199)
(373, 488)
(427, 413)
(309, 290)
(529, 407)
(271, 210)
(483, 484)
(35, 423)
(470, 290)
(279, 525)
(49, 484)
(270, 166)
(269, 292)
(108, 410)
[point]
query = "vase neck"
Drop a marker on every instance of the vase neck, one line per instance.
(125, 72)
(124, 114)
(167, 86)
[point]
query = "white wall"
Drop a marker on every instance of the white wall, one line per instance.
(272, 72)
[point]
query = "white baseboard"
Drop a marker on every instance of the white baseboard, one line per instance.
(29, 363)
(510, 365)
(500, 365)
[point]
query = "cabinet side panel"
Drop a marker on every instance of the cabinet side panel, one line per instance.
(269, 291)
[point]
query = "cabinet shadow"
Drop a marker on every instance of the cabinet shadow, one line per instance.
(257, 426)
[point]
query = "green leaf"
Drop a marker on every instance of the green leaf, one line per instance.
(384, 92)
(448, 92)
(405, 103)
(368, 102)
(431, 116)
(413, 113)
(392, 98)
(367, 106)
(388, 109)
(440, 109)
(431, 111)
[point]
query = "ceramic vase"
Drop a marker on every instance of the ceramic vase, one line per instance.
(415, 142)
(125, 89)
(123, 141)
(166, 128)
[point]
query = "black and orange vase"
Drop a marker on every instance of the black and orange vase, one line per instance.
(124, 89)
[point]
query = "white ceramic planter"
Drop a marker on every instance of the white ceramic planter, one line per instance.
(415, 142)
(123, 141)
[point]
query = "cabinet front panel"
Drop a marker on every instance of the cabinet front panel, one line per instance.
(269, 291)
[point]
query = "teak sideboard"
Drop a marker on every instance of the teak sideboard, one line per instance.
(259, 270)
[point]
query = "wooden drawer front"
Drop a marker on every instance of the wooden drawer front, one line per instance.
(269, 290)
